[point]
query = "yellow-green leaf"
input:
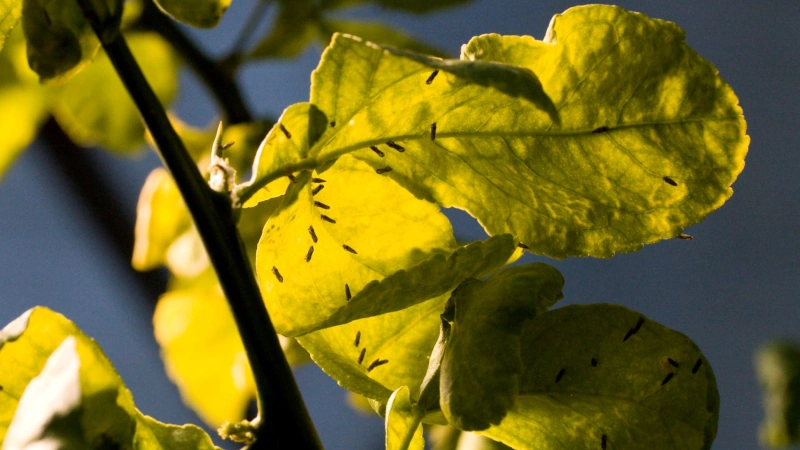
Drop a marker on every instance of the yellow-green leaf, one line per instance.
(402, 339)
(10, 13)
(59, 387)
(197, 13)
(95, 108)
(603, 375)
(778, 370)
(329, 239)
(60, 40)
(480, 371)
(648, 139)
(403, 430)
(375, 32)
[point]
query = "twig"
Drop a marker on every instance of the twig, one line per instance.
(285, 421)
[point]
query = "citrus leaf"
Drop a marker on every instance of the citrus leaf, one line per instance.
(778, 370)
(403, 339)
(432, 277)
(479, 375)
(197, 13)
(329, 239)
(603, 375)
(649, 141)
(64, 391)
(10, 13)
(415, 6)
(60, 41)
(22, 101)
(95, 108)
(403, 430)
(376, 32)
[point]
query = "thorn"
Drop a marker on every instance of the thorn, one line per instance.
(384, 170)
(628, 335)
(361, 356)
(594, 362)
(376, 150)
(349, 249)
(313, 234)
(638, 325)
(697, 366)
(396, 146)
(669, 181)
(603, 442)
(358, 339)
(326, 218)
(347, 292)
(317, 180)
(285, 131)
(560, 375)
(430, 78)
(673, 363)
(602, 129)
(667, 378)
(292, 178)
(321, 205)
(277, 274)
(376, 363)
(316, 190)
(433, 131)
(310, 253)
(333, 124)
(226, 145)
(521, 245)
(685, 237)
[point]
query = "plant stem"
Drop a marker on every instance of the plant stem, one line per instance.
(285, 422)
(217, 80)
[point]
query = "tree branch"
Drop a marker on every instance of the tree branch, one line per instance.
(218, 81)
(285, 421)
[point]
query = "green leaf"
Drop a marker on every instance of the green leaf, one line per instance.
(479, 376)
(403, 430)
(415, 6)
(197, 13)
(95, 108)
(376, 32)
(778, 370)
(359, 227)
(10, 13)
(649, 141)
(22, 101)
(60, 41)
(432, 277)
(603, 373)
(64, 391)
(404, 339)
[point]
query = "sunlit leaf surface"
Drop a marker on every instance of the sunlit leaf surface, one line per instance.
(95, 108)
(198, 13)
(778, 369)
(602, 374)
(647, 139)
(59, 389)
(10, 13)
(403, 429)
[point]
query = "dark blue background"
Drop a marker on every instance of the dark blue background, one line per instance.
(733, 287)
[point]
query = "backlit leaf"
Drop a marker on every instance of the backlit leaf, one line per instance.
(198, 13)
(403, 430)
(358, 228)
(10, 13)
(60, 389)
(376, 32)
(480, 372)
(416, 6)
(293, 30)
(648, 139)
(60, 41)
(602, 374)
(778, 369)
(95, 108)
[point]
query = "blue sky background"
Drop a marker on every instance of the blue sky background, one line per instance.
(733, 287)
